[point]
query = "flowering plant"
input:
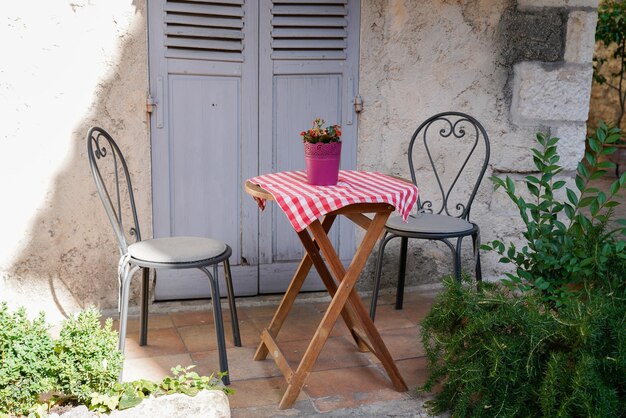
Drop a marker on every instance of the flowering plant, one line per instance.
(320, 134)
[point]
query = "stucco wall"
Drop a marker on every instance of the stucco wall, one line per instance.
(518, 67)
(65, 67)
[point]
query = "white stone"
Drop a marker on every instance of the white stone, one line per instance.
(571, 146)
(206, 404)
(535, 4)
(580, 40)
(545, 93)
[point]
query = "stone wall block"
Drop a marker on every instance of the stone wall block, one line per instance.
(580, 40)
(571, 146)
(545, 93)
(535, 4)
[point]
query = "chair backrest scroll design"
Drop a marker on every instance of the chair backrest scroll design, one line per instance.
(100, 148)
(450, 125)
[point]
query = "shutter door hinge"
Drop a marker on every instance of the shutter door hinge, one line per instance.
(358, 104)
(150, 103)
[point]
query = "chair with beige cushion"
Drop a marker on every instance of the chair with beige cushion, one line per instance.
(114, 187)
(449, 218)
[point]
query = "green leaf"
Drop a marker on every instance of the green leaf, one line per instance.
(583, 170)
(558, 184)
(580, 183)
(128, 400)
(597, 174)
(534, 190)
(586, 201)
(571, 196)
(510, 185)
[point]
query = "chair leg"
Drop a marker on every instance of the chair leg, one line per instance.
(127, 276)
(453, 249)
(231, 303)
(219, 324)
(457, 259)
(379, 268)
(476, 243)
(143, 312)
(401, 272)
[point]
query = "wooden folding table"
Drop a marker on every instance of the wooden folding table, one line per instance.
(345, 300)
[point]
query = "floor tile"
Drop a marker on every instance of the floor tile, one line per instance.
(338, 352)
(202, 337)
(156, 321)
(402, 343)
(160, 342)
(154, 368)
(258, 392)
(388, 317)
(241, 364)
(414, 371)
(350, 387)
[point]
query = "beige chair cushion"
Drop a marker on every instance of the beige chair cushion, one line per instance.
(429, 223)
(176, 249)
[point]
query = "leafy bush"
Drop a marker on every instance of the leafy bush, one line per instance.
(80, 367)
(27, 362)
(550, 340)
(566, 241)
(88, 357)
(503, 355)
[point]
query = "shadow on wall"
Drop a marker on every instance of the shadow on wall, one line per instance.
(68, 258)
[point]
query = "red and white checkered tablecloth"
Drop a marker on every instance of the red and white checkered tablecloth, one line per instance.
(304, 203)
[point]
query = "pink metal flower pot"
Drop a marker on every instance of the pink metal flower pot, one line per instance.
(322, 163)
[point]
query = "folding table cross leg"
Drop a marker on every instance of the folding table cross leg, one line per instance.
(345, 300)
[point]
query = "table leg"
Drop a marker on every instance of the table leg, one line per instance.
(344, 291)
(378, 346)
(290, 295)
(347, 313)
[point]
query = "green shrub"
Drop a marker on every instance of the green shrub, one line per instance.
(27, 367)
(550, 340)
(88, 357)
(80, 367)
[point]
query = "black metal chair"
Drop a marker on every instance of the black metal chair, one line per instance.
(440, 224)
(106, 158)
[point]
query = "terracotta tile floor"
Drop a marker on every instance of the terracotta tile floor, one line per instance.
(341, 378)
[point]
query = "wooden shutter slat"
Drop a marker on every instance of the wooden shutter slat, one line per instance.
(311, 1)
(309, 33)
(204, 9)
(198, 32)
(315, 10)
(299, 21)
(199, 54)
(309, 44)
(195, 43)
(236, 2)
(194, 20)
(308, 55)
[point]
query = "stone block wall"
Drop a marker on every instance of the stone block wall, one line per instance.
(519, 67)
